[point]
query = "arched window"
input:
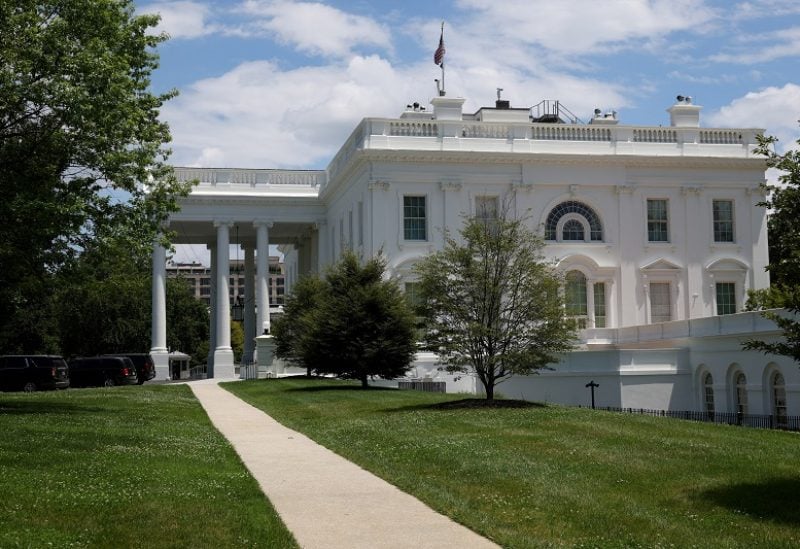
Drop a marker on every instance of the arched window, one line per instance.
(778, 386)
(571, 226)
(708, 393)
(741, 393)
(575, 297)
(573, 230)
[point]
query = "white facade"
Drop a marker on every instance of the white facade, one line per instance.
(651, 224)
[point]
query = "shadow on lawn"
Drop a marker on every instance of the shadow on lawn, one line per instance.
(776, 499)
(472, 404)
(26, 407)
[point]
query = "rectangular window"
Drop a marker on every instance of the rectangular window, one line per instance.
(723, 220)
(414, 218)
(660, 302)
(726, 298)
(360, 223)
(486, 207)
(657, 221)
(599, 304)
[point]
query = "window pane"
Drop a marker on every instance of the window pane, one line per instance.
(660, 302)
(741, 394)
(708, 389)
(723, 220)
(573, 230)
(600, 305)
(657, 222)
(414, 222)
(575, 294)
(726, 298)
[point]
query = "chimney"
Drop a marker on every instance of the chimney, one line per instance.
(684, 114)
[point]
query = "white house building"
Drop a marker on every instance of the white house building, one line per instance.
(655, 227)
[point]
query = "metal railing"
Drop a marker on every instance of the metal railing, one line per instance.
(758, 421)
(426, 385)
(248, 370)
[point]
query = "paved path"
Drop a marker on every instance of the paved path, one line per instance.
(326, 501)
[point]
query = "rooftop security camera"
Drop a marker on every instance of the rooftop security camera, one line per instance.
(597, 112)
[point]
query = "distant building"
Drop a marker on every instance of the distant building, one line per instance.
(199, 278)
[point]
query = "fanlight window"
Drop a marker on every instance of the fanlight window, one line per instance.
(573, 229)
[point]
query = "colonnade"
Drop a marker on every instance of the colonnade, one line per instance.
(256, 302)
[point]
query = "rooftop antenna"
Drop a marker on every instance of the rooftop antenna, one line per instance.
(438, 59)
(499, 91)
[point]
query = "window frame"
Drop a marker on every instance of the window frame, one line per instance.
(733, 295)
(670, 300)
(651, 222)
(407, 230)
(715, 222)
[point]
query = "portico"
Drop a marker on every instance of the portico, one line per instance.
(251, 209)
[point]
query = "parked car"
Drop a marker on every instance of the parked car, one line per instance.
(145, 369)
(33, 372)
(105, 371)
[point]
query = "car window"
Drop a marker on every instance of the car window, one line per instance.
(15, 362)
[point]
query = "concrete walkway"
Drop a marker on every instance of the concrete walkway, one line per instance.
(326, 501)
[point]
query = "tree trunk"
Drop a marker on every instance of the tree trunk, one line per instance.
(364, 384)
(489, 387)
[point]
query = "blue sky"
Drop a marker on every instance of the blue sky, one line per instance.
(281, 84)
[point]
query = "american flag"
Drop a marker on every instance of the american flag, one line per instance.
(438, 57)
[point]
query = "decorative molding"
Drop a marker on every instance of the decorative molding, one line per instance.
(264, 222)
(379, 185)
(450, 185)
(691, 189)
(228, 222)
(624, 189)
(759, 190)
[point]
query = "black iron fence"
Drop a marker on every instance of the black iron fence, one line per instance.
(788, 423)
(426, 385)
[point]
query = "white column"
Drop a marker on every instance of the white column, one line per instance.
(321, 245)
(212, 301)
(262, 276)
(158, 317)
(223, 353)
(590, 303)
(249, 305)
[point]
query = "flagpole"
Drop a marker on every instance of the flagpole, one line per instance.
(443, 88)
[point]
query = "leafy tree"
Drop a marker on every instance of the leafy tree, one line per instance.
(492, 303)
(237, 341)
(784, 250)
(294, 329)
(364, 326)
(79, 133)
(187, 321)
(353, 324)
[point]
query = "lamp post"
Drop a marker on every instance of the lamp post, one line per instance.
(591, 385)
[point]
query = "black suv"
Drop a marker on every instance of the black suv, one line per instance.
(145, 369)
(105, 371)
(33, 372)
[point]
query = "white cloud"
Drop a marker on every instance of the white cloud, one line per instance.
(775, 109)
(587, 26)
(779, 44)
(183, 19)
(316, 28)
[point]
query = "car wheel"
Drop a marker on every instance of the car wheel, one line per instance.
(109, 382)
(29, 387)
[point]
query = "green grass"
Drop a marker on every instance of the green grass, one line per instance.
(550, 476)
(124, 467)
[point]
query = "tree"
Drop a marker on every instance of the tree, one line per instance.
(784, 251)
(364, 326)
(353, 324)
(294, 329)
(187, 321)
(79, 135)
(492, 303)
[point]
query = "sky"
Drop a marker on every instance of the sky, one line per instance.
(282, 84)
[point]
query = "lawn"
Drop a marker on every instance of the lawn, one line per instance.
(137, 466)
(549, 476)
